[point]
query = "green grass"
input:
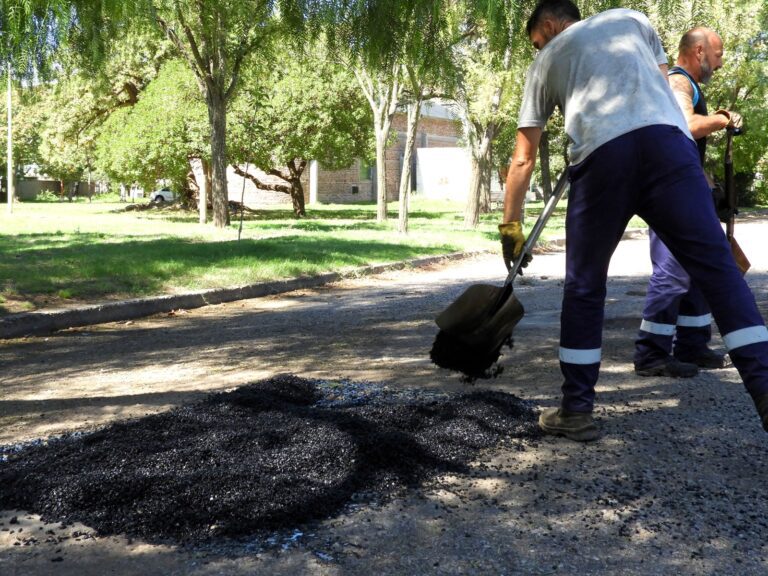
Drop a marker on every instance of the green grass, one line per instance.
(51, 253)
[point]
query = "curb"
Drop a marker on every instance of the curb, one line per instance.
(44, 322)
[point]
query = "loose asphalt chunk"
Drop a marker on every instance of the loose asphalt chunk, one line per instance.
(266, 456)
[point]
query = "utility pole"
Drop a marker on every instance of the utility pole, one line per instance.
(10, 189)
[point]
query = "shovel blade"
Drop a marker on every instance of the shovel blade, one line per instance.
(741, 259)
(470, 309)
(482, 317)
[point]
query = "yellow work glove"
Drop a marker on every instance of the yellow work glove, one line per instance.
(512, 243)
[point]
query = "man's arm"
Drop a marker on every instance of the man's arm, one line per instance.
(520, 170)
(700, 126)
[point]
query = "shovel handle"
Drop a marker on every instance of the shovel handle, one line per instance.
(533, 237)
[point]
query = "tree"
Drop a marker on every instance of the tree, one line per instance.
(382, 88)
(413, 113)
(133, 61)
(214, 38)
(742, 85)
(156, 138)
(66, 152)
(391, 43)
(484, 110)
(431, 75)
(28, 117)
(306, 108)
(59, 116)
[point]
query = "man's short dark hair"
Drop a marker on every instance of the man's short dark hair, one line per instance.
(557, 9)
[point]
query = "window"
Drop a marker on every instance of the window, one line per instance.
(364, 172)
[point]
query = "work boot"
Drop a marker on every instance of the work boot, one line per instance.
(706, 359)
(761, 404)
(669, 366)
(577, 426)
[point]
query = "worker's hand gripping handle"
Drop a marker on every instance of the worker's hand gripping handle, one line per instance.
(533, 237)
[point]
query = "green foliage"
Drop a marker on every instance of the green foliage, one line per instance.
(300, 106)
(66, 149)
(382, 32)
(33, 31)
(154, 139)
(214, 37)
(27, 117)
(742, 85)
(46, 196)
(56, 122)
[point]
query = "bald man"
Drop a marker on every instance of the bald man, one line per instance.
(676, 328)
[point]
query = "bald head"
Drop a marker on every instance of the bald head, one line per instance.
(700, 52)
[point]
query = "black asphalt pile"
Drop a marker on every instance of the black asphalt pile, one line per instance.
(266, 456)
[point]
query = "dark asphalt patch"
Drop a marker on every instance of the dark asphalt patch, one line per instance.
(266, 456)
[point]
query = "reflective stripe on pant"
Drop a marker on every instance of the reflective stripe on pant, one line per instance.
(654, 172)
(675, 309)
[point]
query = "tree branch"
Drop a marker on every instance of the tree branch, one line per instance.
(174, 38)
(279, 173)
(202, 64)
(284, 188)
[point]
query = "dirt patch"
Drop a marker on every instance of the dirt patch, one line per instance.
(266, 456)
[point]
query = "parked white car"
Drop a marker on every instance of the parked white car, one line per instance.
(160, 196)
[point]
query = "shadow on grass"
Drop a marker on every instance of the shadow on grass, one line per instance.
(87, 266)
(287, 217)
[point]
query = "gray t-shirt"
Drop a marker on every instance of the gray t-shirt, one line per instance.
(603, 73)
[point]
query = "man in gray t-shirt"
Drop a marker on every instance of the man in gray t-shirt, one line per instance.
(631, 153)
(591, 84)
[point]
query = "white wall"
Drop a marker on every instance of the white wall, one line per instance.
(444, 173)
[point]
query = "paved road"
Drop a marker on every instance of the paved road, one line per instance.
(675, 486)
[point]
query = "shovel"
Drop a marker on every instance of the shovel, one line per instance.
(732, 201)
(475, 327)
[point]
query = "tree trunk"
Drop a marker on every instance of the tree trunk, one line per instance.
(472, 208)
(200, 175)
(217, 115)
(382, 134)
(297, 197)
(297, 189)
(480, 173)
(546, 179)
(414, 111)
(208, 172)
(486, 173)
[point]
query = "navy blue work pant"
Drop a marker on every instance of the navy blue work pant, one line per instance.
(675, 312)
(654, 172)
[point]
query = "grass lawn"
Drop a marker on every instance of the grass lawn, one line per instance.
(54, 253)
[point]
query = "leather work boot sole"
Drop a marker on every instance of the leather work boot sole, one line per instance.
(708, 360)
(762, 409)
(577, 426)
(671, 367)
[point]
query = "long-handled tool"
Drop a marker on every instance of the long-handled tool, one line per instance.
(475, 327)
(732, 201)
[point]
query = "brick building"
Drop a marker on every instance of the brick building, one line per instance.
(438, 128)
